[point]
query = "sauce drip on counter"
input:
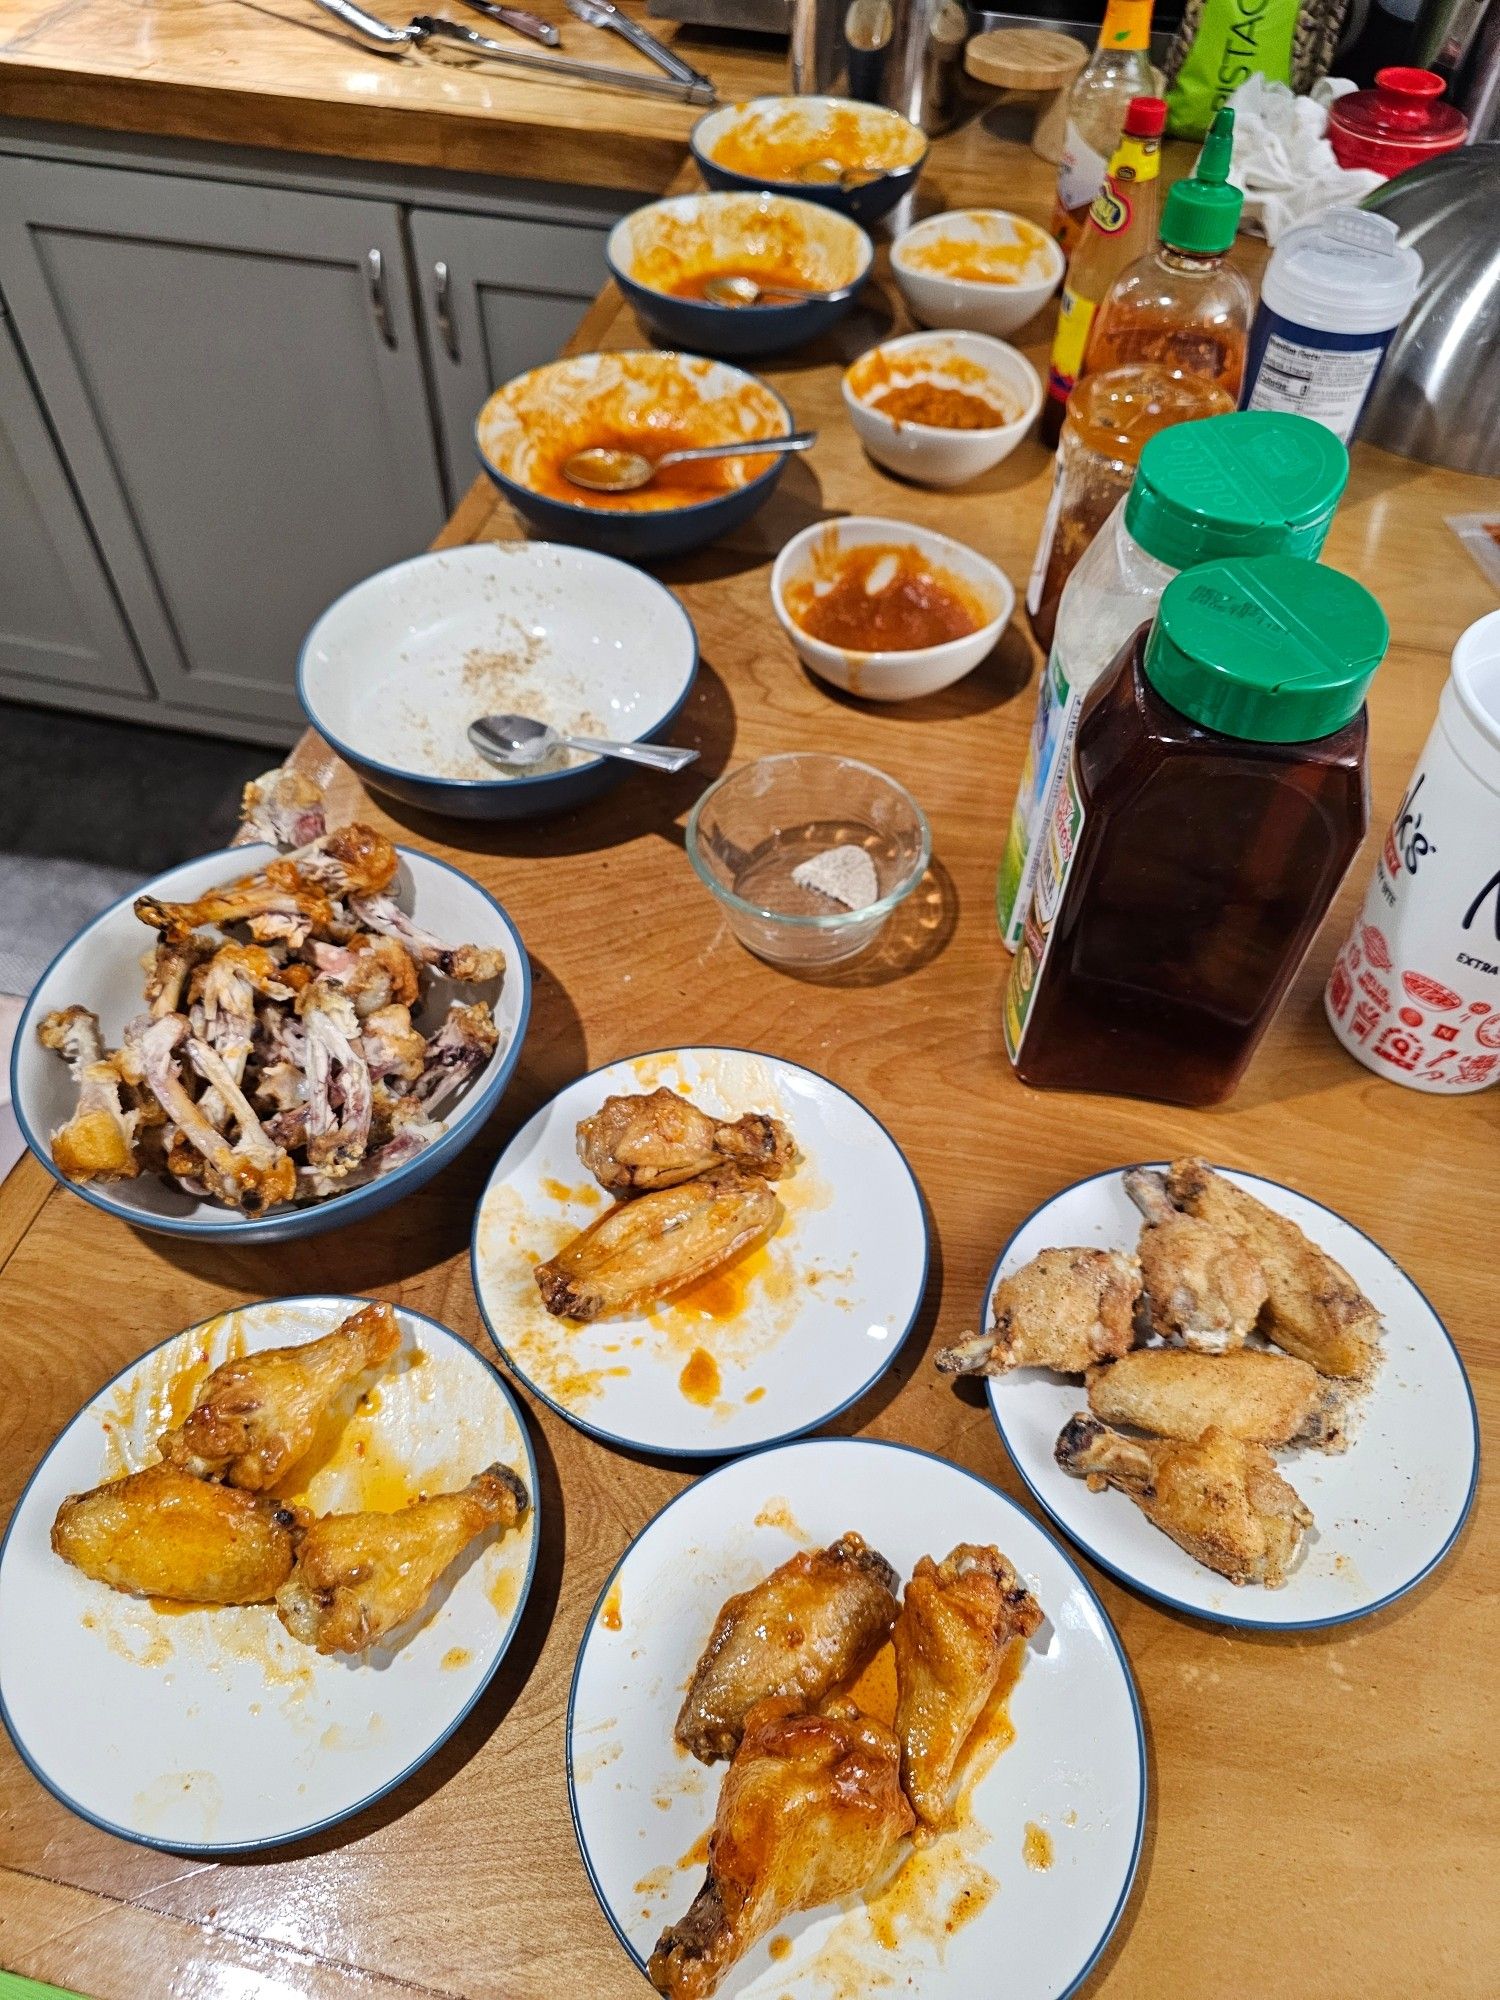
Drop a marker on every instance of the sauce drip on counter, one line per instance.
(941, 407)
(884, 598)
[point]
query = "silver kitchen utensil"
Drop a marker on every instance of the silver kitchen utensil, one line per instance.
(602, 469)
(733, 288)
(519, 21)
(605, 14)
(517, 741)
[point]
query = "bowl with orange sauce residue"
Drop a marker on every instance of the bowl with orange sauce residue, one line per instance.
(888, 610)
(858, 158)
(980, 268)
(663, 255)
(639, 401)
(941, 408)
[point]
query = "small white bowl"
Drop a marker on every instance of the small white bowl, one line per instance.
(982, 305)
(929, 453)
(893, 676)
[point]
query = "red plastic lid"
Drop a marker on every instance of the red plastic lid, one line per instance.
(1396, 125)
(1146, 117)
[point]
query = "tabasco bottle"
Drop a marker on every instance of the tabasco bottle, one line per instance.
(1121, 227)
(1119, 69)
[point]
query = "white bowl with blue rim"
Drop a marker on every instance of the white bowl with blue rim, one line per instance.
(395, 670)
(101, 970)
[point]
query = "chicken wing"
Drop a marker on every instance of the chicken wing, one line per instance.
(643, 1250)
(163, 1533)
(1204, 1287)
(811, 1810)
(1269, 1399)
(282, 808)
(1314, 1309)
(1220, 1498)
(660, 1140)
(1065, 1309)
(98, 1141)
(957, 1621)
(359, 1576)
(470, 964)
(802, 1631)
(256, 1416)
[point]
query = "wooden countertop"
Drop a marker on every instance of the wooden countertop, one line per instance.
(1321, 1808)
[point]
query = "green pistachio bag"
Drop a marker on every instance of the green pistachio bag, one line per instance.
(1223, 43)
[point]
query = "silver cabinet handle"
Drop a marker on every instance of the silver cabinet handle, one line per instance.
(442, 306)
(379, 303)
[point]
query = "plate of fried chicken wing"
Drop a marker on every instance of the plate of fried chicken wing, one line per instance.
(1227, 1395)
(265, 1573)
(274, 1038)
(700, 1251)
(846, 1719)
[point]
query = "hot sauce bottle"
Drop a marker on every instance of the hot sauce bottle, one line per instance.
(1215, 796)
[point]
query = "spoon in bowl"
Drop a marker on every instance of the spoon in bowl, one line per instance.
(828, 173)
(602, 469)
(735, 289)
(517, 741)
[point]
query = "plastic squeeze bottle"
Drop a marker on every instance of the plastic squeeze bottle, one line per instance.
(1249, 483)
(1215, 797)
(1181, 305)
(1121, 224)
(1119, 69)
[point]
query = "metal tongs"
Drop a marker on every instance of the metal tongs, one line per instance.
(605, 14)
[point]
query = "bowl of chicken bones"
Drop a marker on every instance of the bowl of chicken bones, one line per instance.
(275, 1038)
(1227, 1394)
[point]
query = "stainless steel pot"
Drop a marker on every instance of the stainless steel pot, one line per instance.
(907, 54)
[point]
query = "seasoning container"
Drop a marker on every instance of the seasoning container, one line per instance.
(1415, 992)
(1118, 70)
(1250, 483)
(1215, 797)
(1333, 295)
(1111, 415)
(1397, 125)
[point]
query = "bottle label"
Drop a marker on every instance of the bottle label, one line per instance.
(1057, 848)
(1080, 172)
(1075, 316)
(1137, 158)
(1127, 25)
(1325, 376)
(1052, 730)
(1044, 546)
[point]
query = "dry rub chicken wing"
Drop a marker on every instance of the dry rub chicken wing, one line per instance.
(163, 1533)
(256, 1416)
(958, 1619)
(1220, 1498)
(1269, 1399)
(1204, 1286)
(1064, 1310)
(659, 1140)
(802, 1631)
(643, 1250)
(811, 1810)
(358, 1576)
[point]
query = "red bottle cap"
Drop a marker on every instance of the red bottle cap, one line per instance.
(1396, 125)
(1146, 117)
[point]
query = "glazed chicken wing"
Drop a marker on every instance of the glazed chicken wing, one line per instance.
(163, 1533)
(660, 1140)
(957, 1621)
(98, 1141)
(811, 1810)
(1269, 1399)
(359, 1576)
(1204, 1287)
(1220, 1498)
(256, 1416)
(1064, 1310)
(644, 1250)
(1314, 1309)
(802, 1631)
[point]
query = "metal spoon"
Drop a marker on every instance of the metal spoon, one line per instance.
(601, 469)
(828, 173)
(516, 741)
(734, 289)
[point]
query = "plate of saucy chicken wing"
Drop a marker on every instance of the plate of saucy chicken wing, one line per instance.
(845, 1719)
(1227, 1395)
(700, 1251)
(274, 1038)
(265, 1573)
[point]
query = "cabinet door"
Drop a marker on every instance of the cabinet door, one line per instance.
(59, 622)
(234, 376)
(499, 295)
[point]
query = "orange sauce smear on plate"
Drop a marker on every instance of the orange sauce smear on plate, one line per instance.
(883, 598)
(1036, 1847)
(990, 258)
(609, 1615)
(700, 1381)
(940, 407)
(774, 146)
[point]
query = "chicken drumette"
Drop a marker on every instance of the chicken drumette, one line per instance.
(632, 1144)
(1204, 1287)
(163, 1533)
(1064, 1310)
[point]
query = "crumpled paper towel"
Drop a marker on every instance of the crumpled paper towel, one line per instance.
(1282, 162)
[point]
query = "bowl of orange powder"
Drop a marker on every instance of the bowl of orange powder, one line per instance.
(941, 408)
(980, 268)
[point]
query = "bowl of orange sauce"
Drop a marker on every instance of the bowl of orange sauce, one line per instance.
(663, 255)
(941, 408)
(858, 158)
(979, 268)
(642, 401)
(888, 610)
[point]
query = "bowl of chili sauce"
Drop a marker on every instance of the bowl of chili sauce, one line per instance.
(941, 408)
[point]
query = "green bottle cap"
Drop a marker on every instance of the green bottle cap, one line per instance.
(1251, 483)
(1202, 213)
(1271, 649)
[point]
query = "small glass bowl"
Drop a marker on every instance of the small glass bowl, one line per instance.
(751, 828)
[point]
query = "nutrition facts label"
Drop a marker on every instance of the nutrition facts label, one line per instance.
(1328, 384)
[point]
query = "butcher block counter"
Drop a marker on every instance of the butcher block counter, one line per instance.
(1321, 1817)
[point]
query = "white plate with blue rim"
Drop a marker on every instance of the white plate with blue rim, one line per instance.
(212, 1730)
(775, 1344)
(1386, 1511)
(1036, 1872)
